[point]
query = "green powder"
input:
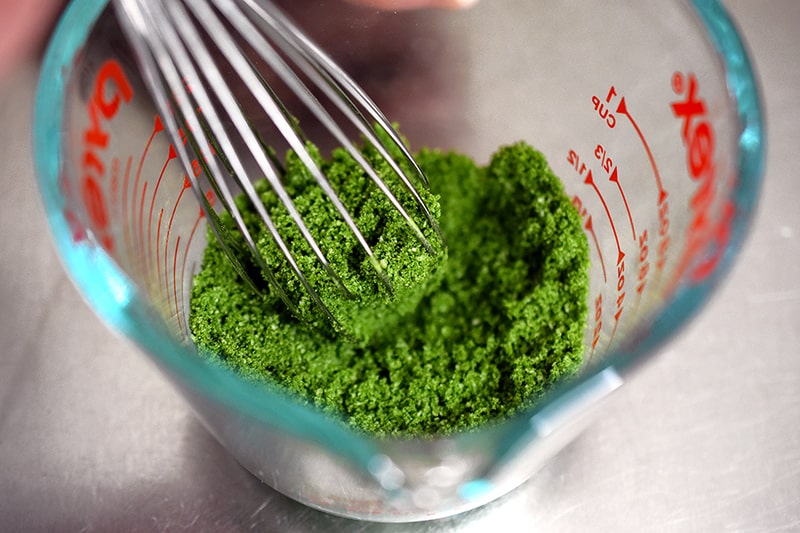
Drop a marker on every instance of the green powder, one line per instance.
(410, 269)
(467, 336)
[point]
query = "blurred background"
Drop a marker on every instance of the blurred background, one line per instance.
(706, 438)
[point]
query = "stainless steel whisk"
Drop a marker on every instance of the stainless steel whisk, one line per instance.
(179, 45)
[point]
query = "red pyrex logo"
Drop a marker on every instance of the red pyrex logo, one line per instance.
(111, 87)
(699, 138)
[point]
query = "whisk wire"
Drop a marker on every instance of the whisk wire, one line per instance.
(228, 47)
(133, 22)
(338, 79)
(339, 89)
(190, 91)
(245, 131)
(157, 62)
(237, 18)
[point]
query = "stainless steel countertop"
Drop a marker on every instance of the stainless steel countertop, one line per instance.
(706, 438)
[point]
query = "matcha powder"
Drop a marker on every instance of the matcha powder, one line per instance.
(471, 334)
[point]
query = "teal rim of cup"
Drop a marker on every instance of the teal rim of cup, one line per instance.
(113, 297)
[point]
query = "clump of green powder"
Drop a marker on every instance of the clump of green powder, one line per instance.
(409, 265)
(478, 333)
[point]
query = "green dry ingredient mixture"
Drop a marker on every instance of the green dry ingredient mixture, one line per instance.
(470, 335)
(411, 270)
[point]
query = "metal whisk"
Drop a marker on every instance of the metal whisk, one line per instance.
(179, 45)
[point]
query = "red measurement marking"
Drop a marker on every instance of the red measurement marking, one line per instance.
(622, 109)
(663, 234)
(175, 281)
(113, 184)
(615, 179)
(644, 264)
(590, 228)
(142, 257)
(158, 249)
(620, 293)
(590, 181)
(186, 184)
(166, 274)
(95, 203)
(574, 160)
(598, 323)
(620, 258)
(185, 256)
(157, 127)
(606, 163)
(170, 156)
(614, 331)
(125, 179)
(115, 180)
(603, 110)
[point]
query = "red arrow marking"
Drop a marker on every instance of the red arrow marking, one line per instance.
(615, 178)
(158, 248)
(175, 282)
(590, 181)
(186, 185)
(614, 331)
(170, 156)
(590, 228)
(183, 264)
(127, 233)
(157, 127)
(142, 258)
(622, 109)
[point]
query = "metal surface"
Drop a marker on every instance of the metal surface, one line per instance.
(706, 438)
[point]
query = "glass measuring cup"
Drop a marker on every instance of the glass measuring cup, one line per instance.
(660, 150)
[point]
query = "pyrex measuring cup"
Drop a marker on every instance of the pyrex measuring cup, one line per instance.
(655, 130)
